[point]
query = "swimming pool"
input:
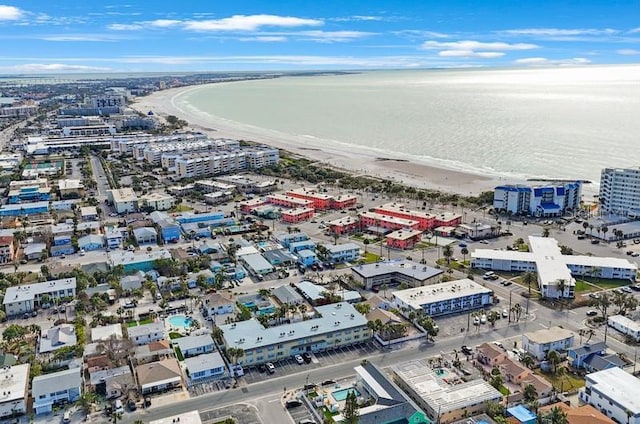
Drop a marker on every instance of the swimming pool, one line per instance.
(441, 372)
(180, 321)
(340, 395)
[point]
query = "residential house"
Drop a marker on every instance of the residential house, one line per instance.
(114, 238)
(63, 335)
(514, 372)
(154, 351)
(57, 388)
(490, 354)
(25, 298)
(15, 387)
(210, 365)
(169, 228)
(105, 332)
(61, 250)
(217, 304)
(132, 282)
(593, 357)
(539, 343)
(146, 235)
(91, 242)
(7, 249)
(347, 252)
(194, 345)
(113, 382)
(287, 295)
(159, 376)
(157, 201)
(89, 213)
(34, 251)
(138, 261)
(146, 333)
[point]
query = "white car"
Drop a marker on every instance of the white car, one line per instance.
(505, 313)
(476, 321)
(299, 359)
(483, 319)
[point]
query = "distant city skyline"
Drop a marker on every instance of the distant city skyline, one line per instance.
(159, 36)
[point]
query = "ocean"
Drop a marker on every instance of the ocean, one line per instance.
(562, 122)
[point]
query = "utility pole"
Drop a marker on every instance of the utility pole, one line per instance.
(510, 293)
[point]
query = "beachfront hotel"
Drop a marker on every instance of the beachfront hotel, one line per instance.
(547, 200)
(552, 267)
(620, 191)
(339, 324)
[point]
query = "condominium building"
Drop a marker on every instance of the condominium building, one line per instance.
(620, 191)
(615, 393)
(539, 343)
(555, 271)
(157, 201)
(338, 325)
(24, 298)
(547, 200)
(444, 298)
(224, 162)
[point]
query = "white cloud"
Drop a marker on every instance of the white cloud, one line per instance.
(471, 45)
(265, 39)
(469, 53)
(543, 61)
(628, 52)
(9, 13)
(633, 31)
(559, 32)
(79, 38)
(332, 36)
(419, 34)
(165, 23)
(126, 27)
(249, 23)
(51, 67)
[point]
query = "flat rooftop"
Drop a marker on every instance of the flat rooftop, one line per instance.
(14, 382)
(548, 335)
(30, 291)
(404, 267)
(251, 334)
(403, 234)
(387, 218)
(123, 195)
(439, 395)
(617, 384)
(419, 296)
(191, 417)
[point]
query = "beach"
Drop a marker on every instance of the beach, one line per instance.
(347, 157)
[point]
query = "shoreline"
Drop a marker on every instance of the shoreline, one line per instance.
(350, 158)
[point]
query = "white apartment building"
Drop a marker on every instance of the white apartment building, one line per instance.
(15, 390)
(615, 393)
(153, 152)
(539, 343)
(212, 163)
(124, 199)
(24, 298)
(146, 333)
(620, 191)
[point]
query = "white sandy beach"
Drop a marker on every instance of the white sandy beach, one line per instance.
(347, 157)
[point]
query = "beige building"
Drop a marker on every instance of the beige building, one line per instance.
(157, 201)
(15, 389)
(123, 199)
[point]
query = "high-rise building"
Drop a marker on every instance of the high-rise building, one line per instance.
(548, 200)
(620, 191)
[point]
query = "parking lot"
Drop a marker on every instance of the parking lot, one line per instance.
(300, 413)
(290, 366)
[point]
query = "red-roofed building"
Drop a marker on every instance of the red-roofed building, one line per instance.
(345, 225)
(378, 220)
(320, 200)
(425, 220)
(247, 206)
(344, 201)
(7, 250)
(448, 219)
(289, 201)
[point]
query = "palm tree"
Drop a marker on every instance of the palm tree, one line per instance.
(554, 358)
(604, 229)
(529, 278)
(517, 311)
(447, 252)
(464, 252)
(545, 232)
(530, 393)
(528, 361)
(558, 416)
(561, 285)
(217, 334)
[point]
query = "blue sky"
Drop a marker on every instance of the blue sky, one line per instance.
(108, 36)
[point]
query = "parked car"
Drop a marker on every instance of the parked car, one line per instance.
(307, 357)
(66, 417)
(131, 404)
(299, 360)
(466, 350)
(476, 321)
(328, 382)
(626, 289)
(483, 319)
(117, 406)
(505, 313)
(293, 403)
(270, 367)
(592, 313)
(147, 402)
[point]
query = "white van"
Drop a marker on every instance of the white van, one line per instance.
(66, 417)
(118, 407)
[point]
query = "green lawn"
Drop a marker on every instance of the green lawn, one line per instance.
(174, 335)
(370, 257)
(180, 208)
(132, 324)
(146, 321)
(457, 265)
(504, 391)
(584, 287)
(179, 354)
(562, 383)
(607, 284)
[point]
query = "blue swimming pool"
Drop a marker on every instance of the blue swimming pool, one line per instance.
(340, 395)
(441, 372)
(180, 321)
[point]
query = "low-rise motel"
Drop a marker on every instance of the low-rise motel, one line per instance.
(395, 272)
(426, 221)
(288, 201)
(403, 239)
(338, 324)
(445, 298)
(293, 216)
(379, 223)
(323, 201)
(555, 271)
